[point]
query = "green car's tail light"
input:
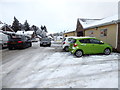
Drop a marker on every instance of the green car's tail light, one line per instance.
(75, 45)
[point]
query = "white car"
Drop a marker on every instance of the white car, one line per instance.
(66, 42)
(3, 39)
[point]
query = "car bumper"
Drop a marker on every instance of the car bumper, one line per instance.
(73, 50)
(45, 43)
(16, 45)
(65, 45)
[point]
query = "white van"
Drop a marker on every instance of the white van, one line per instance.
(3, 39)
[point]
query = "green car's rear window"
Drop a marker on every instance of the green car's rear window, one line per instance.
(73, 40)
(69, 39)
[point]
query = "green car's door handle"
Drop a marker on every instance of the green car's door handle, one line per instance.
(83, 44)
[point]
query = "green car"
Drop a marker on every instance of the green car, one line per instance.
(88, 45)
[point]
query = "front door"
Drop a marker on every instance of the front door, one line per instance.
(97, 46)
(80, 33)
(86, 46)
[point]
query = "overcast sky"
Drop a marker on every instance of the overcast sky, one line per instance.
(56, 15)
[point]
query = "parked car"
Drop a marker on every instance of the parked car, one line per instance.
(66, 42)
(3, 40)
(45, 42)
(88, 45)
(35, 40)
(18, 41)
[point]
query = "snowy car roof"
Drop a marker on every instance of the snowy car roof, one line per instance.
(25, 32)
(98, 22)
(83, 37)
(75, 37)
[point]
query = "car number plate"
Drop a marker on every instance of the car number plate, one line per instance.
(44, 43)
(13, 43)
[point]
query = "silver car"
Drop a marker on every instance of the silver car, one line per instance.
(45, 42)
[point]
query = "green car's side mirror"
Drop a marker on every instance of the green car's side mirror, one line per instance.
(101, 42)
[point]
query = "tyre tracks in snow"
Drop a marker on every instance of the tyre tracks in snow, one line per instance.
(14, 68)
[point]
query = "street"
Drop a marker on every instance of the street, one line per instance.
(51, 67)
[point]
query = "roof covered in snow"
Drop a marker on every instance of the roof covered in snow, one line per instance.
(1, 22)
(1, 25)
(92, 23)
(6, 27)
(69, 31)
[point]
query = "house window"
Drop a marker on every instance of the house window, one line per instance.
(103, 32)
(91, 33)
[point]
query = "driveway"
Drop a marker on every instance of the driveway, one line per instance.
(50, 67)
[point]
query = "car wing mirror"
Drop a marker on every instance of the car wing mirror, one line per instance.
(101, 42)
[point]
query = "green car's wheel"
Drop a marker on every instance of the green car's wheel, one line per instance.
(79, 53)
(107, 51)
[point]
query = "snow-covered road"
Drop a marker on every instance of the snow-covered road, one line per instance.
(50, 67)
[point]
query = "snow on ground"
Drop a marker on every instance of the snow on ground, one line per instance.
(63, 70)
(87, 72)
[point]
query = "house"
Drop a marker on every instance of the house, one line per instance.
(81, 24)
(79, 27)
(69, 33)
(5, 27)
(106, 29)
(118, 40)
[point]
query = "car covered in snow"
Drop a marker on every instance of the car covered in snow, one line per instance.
(88, 45)
(45, 42)
(66, 43)
(18, 41)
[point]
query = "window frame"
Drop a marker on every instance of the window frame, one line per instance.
(103, 32)
(84, 41)
(96, 42)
